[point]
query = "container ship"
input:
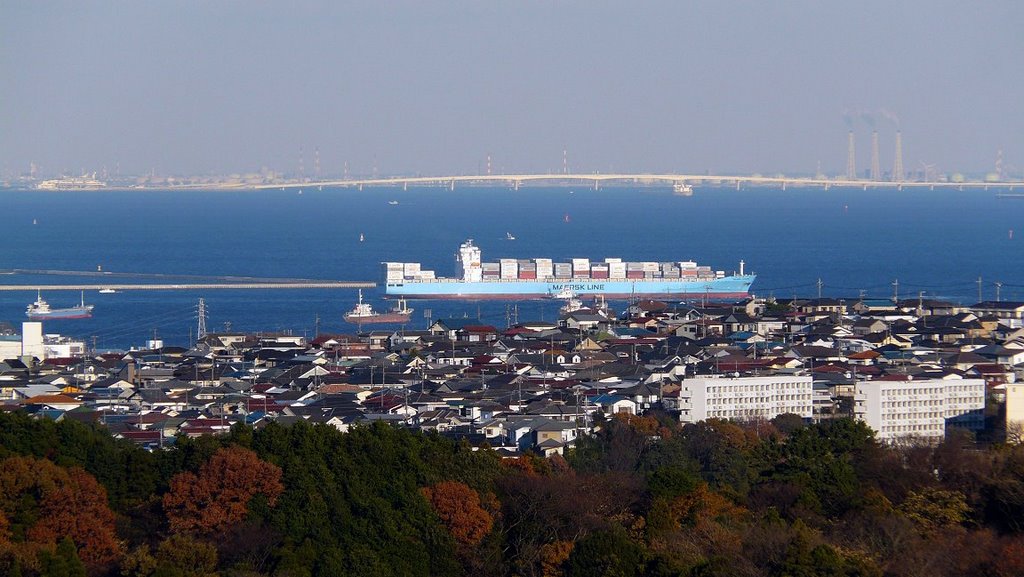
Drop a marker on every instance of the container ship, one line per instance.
(539, 278)
(41, 310)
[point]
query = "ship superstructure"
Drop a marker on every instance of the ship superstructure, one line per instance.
(539, 278)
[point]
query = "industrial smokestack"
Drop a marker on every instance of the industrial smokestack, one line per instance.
(851, 158)
(876, 167)
(897, 167)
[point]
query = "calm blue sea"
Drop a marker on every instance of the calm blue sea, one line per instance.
(939, 242)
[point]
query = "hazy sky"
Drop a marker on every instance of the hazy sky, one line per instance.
(186, 87)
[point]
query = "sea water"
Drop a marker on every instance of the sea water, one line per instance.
(876, 242)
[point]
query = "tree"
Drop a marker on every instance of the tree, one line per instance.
(459, 509)
(185, 556)
(48, 503)
(219, 495)
(786, 423)
(608, 553)
(64, 562)
(934, 509)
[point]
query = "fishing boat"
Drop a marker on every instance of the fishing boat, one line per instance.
(41, 310)
(363, 313)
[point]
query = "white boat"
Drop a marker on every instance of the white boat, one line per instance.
(508, 236)
(107, 291)
(84, 182)
(393, 202)
(682, 189)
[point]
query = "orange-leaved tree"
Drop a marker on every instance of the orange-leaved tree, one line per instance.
(52, 503)
(219, 495)
(458, 507)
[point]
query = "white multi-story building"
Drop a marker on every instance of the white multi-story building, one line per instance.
(33, 343)
(744, 398)
(908, 407)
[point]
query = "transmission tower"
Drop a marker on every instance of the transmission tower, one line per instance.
(897, 167)
(201, 330)
(876, 166)
(851, 158)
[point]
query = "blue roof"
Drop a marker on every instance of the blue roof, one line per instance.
(607, 399)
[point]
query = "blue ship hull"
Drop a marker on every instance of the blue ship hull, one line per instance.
(730, 287)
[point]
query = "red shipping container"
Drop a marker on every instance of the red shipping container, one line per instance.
(528, 274)
(634, 274)
(599, 274)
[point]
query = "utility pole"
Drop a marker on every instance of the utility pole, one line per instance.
(979, 289)
(819, 290)
(999, 285)
(896, 291)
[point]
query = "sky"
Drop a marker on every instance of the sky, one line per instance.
(406, 87)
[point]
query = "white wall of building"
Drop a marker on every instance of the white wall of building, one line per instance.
(920, 407)
(32, 340)
(744, 398)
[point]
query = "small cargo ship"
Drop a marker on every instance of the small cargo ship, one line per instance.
(540, 278)
(41, 310)
(363, 313)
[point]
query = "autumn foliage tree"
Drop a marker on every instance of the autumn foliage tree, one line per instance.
(458, 507)
(45, 504)
(219, 495)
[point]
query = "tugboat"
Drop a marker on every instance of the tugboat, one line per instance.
(363, 313)
(572, 301)
(41, 310)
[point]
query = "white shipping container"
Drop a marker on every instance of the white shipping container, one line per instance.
(649, 267)
(611, 260)
(580, 263)
(412, 268)
(427, 275)
(687, 264)
(545, 271)
(541, 261)
(394, 275)
(394, 265)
